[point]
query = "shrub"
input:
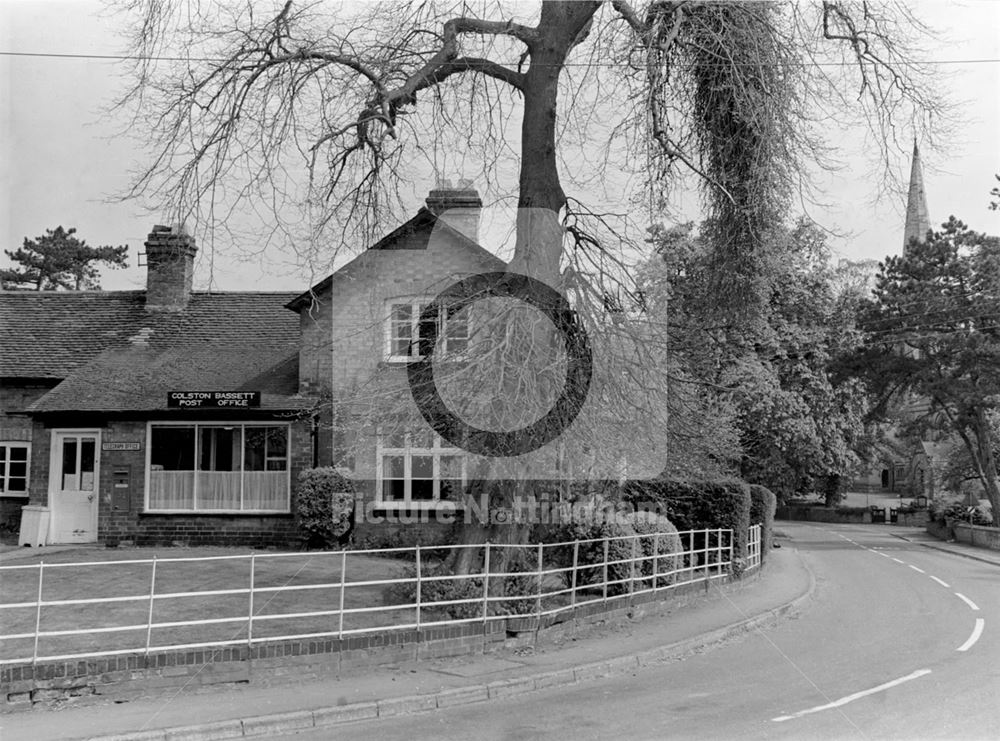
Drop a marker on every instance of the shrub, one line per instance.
(691, 505)
(762, 506)
(668, 547)
(468, 588)
(590, 556)
(324, 507)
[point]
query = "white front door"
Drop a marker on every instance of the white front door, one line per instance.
(73, 486)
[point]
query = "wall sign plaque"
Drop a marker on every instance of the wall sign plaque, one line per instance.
(213, 399)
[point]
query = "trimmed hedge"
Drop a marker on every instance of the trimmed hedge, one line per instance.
(668, 547)
(591, 555)
(698, 505)
(763, 504)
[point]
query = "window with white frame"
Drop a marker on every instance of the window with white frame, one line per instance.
(14, 469)
(419, 469)
(218, 467)
(408, 336)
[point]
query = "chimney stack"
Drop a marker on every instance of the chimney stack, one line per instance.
(458, 207)
(170, 255)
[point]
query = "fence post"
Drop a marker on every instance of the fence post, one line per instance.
(631, 567)
(253, 570)
(538, 599)
(732, 542)
(706, 558)
(149, 612)
(343, 579)
(576, 558)
(605, 568)
(38, 611)
(656, 560)
(486, 583)
(418, 586)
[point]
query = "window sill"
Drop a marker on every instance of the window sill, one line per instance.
(215, 513)
(13, 495)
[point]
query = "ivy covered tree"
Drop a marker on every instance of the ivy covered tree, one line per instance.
(59, 260)
(933, 340)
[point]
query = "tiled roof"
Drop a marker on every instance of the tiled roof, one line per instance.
(51, 334)
(138, 377)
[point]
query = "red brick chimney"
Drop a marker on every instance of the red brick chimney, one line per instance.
(458, 207)
(170, 255)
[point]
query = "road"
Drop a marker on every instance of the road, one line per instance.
(899, 641)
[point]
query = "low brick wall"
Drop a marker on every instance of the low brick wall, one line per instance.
(123, 678)
(821, 514)
(977, 535)
(913, 519)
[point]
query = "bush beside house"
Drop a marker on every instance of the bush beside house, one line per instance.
(325, 508)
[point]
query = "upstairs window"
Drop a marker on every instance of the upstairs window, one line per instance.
(408, 337)
(13, 469)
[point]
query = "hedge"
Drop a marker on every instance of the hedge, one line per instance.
(698, 505)
(668, 547)
(324, 507)
(763, 503)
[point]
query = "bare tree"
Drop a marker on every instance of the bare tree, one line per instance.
(331, 108)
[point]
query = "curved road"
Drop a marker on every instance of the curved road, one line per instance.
(898, 641)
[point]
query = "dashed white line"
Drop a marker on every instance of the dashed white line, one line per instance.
(916, 568)
(943, 584)
(897, 560)
(976, 632)
(855, 696)
(967, 601)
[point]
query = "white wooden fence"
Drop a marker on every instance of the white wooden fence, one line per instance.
(293, 596)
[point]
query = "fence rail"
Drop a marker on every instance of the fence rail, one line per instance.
(289, 596)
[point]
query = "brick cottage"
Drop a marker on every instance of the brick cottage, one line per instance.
(176, 416)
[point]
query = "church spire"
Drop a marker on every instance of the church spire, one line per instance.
(917, 220)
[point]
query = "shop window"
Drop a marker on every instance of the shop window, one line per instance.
(14, 459)
(218, 467)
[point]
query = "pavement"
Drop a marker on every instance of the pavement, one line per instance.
(592, 652)
(924, 538)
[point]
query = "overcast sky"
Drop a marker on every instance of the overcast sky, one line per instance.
(63, 164)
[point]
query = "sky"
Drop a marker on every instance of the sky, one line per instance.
(64, 161)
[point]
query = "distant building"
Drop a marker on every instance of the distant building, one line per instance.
(901, 468)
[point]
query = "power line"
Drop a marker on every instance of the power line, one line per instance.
(136, 58)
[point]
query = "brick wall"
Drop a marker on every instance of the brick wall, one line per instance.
(17, 428)
(344, 346)
(102, 679)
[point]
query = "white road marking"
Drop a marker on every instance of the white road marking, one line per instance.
(884, 555)
(943, 584)
(852, 698)
(976, 632)
(917, 569)
(897, 560)
(967, 601)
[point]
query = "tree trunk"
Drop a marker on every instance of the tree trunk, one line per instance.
(538, 245)
(981, 452)
(988, 464)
